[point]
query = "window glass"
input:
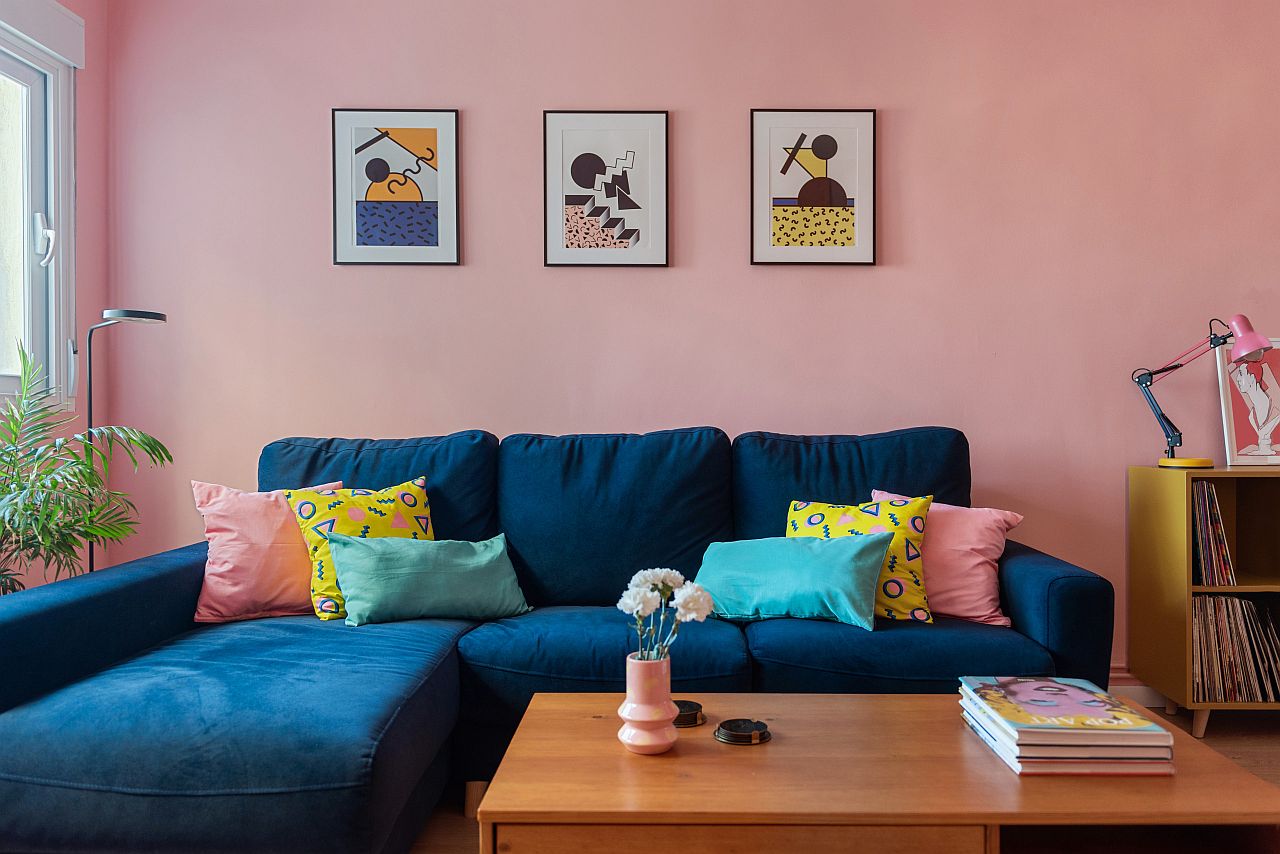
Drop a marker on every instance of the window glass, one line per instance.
(13, 255)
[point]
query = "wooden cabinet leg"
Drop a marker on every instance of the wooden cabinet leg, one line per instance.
(1199, 720)
(1170, 707)
(473, 794)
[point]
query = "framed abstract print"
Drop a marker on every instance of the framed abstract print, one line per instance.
(605, 188)
(1251, 407)
(813, 186)
(395, 187)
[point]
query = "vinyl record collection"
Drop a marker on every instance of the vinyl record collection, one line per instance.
(1211, 557)
(1235, 651)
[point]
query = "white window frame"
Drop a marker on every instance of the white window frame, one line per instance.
(48, 37)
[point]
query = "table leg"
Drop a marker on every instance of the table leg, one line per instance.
(472, 795)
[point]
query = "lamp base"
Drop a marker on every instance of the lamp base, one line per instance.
(1185, 463)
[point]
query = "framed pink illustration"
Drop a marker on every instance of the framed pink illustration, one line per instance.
(1251, 408)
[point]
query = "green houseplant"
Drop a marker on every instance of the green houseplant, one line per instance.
(54, 492)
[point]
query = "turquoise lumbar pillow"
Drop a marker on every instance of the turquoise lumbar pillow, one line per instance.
(804, 577)
(384, 579)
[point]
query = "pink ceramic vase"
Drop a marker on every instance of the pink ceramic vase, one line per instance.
(648, 712)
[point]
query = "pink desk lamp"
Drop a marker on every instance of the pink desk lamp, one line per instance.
(1247, 346)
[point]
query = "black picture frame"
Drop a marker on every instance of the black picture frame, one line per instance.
(333, 143)
(875, 195)
(666, 155)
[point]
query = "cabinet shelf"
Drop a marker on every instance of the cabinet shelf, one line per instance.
(1243, 587)
(1246, 582)
(1160, 557)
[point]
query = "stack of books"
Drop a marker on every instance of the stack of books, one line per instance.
(1048, 725)
(1236, 651)
(1211, 557)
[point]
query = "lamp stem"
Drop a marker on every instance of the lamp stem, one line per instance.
(88, 358)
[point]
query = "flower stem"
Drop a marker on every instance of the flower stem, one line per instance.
(655, 651)
(665, 647)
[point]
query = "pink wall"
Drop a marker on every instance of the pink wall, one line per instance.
(91, 182)
(91, 170)
(1067, 191)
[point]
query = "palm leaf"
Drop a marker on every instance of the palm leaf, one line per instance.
(55, 496)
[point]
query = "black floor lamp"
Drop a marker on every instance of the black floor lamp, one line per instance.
(110, 317)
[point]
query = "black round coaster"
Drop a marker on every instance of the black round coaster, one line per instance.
(743, 731)
(690, 714)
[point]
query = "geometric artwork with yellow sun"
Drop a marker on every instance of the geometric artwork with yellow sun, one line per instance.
(395, 186)
(400, 201)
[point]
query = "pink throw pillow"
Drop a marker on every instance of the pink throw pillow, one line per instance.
(961, 548)
(258, 563)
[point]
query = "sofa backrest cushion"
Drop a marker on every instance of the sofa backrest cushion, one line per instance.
(461, 471)
(584, 513)
(772, 469)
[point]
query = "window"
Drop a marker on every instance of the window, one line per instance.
(40, 44)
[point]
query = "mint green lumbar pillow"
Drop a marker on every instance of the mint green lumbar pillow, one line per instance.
(384, 579)
(805, 577)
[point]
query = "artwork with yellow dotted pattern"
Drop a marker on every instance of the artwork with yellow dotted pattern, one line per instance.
(794, 225)
(813, 186)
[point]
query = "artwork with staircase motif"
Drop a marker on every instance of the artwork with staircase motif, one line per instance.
(606, 190)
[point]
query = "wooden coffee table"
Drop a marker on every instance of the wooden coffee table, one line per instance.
(844, 773)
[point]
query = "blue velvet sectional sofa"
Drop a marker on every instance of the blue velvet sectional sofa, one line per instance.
(127, 728)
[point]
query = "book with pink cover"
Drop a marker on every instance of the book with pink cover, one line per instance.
(1057, 710)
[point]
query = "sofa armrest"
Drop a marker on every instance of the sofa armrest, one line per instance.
(56, 634)
(1068, 610)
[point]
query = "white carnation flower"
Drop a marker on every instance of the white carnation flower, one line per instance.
(648, 579)
(692, 602)
(638, 602)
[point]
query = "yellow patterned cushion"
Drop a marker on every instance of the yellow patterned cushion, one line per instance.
(900, 594)
(398, 511)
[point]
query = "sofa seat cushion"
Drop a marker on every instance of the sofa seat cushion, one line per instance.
(283, 734)
(584, 648)
(899, 657)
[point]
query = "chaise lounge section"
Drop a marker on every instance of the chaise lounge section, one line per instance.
(129, 728)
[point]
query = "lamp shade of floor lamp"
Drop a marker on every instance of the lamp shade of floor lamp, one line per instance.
(110, 317)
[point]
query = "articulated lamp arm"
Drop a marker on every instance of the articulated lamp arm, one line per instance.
(1172, 435)
(1248, 346)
